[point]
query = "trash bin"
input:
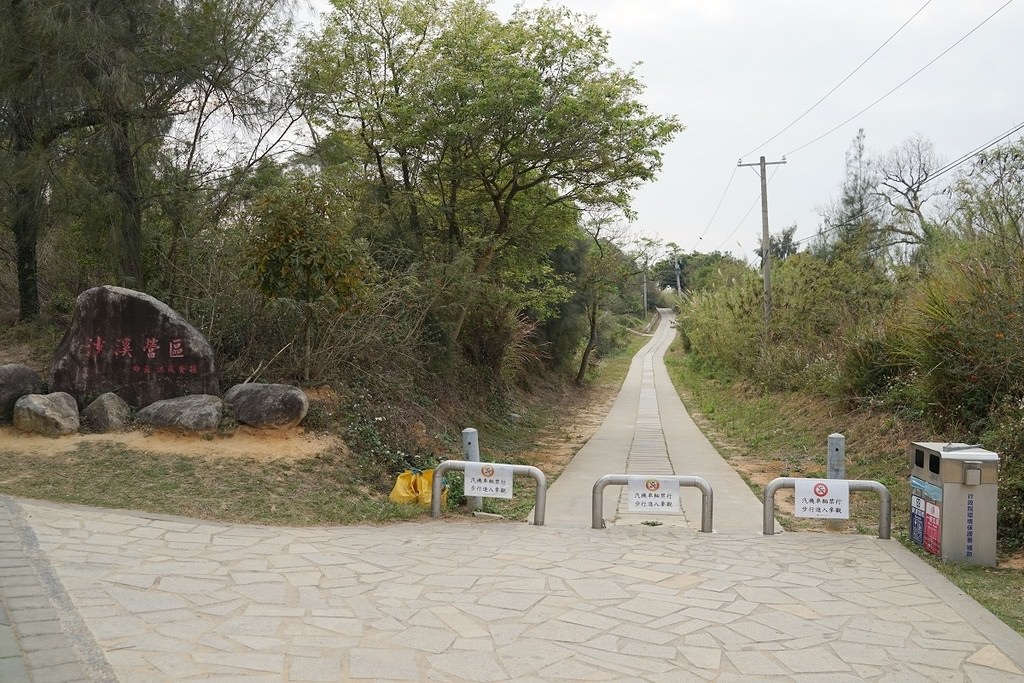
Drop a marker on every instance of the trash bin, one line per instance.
(953, 500)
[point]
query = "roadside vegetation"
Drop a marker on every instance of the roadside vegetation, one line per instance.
(417, 211)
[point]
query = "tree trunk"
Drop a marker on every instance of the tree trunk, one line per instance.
(129, 193)
(26, 232)
(27, 197)
(591, 342)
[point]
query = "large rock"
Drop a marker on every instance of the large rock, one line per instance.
(47, 414)
(16, 381)
(187, 413)
(267, 405)
(108, 413)
(131, 344)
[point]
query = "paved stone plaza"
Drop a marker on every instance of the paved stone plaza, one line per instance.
(101, 595)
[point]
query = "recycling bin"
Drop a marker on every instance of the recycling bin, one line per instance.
(953, 501)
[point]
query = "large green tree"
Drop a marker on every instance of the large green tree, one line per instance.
(485, 137)
(100, 84)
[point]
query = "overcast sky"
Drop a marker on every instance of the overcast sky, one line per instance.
(737, 72)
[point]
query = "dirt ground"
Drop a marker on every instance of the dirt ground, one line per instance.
(552, 452)
(245, 442)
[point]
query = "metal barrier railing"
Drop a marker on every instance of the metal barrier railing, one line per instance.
(707, 507)
(460, 466)
(884, 515)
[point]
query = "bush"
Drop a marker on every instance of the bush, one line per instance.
(1005, 435)
(965, 336)
(724, 327)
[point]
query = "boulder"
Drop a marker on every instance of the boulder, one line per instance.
(200, 413)
(131, 344)
(16, 381)
(108, 413)
(267, 405)
(47, 414)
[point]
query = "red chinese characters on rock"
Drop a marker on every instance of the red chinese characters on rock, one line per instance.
(94, 346)
(123, 347)
(150, 347)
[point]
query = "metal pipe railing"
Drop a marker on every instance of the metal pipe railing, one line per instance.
(460, 466)
(884, 515)
(707, 507)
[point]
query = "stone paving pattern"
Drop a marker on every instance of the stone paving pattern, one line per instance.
(183, 600)
(98, 595)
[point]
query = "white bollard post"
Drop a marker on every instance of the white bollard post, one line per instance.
(836, 470)
(836, 456)
(471, 452)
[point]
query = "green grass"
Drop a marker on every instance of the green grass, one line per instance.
(314, 491)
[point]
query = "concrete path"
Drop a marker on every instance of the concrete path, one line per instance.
(100, 595)
(648, 431)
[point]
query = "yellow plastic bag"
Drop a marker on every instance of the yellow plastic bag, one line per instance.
(406, 489)
(426, 490)
(414, 486)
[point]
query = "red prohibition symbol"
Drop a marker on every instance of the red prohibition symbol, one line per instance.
(820, 490)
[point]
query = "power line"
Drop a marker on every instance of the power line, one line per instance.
(840, 83)
(722, 199)
(953, 164)
(904, 82)
(756, 201)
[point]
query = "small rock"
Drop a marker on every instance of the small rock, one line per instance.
(201, 413)
(16, 381)
(47, 414)
(267, 405)
(108, 413)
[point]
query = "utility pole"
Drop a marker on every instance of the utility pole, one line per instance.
(645, 288)
(766, 261)
(675, 263)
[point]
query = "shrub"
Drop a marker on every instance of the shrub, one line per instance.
(1005, 435)
(965, 336)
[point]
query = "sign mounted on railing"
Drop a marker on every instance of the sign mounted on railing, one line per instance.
(652, 494)
(488, 480)
(822, 498)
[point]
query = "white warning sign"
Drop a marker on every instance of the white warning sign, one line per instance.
(822, 498)
(487, 480)
(651, 494)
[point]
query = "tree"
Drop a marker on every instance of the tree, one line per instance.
(851, 224)
(37, 106)
(356, 79)
(989, 199)
(100, 83)
(781, 246)
(301, 250)
(491, 127)
(605, 270)
(905, 173)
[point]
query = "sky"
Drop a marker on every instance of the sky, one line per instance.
(737, 72)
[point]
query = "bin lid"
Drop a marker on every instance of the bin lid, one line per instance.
(959, 451)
